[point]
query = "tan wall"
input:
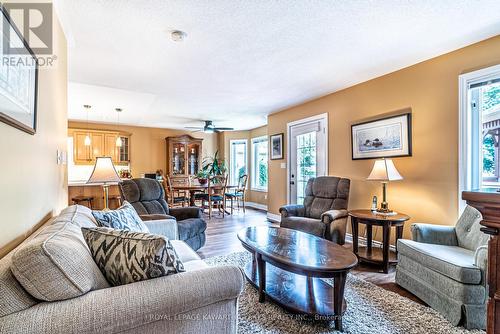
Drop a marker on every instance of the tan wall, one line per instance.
(429, 191)
(148, 148)
(225, 138)
(33, 185)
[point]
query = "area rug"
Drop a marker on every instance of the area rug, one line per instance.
(370, 310)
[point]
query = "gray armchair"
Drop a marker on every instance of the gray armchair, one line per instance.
(324, 212)
(445, 266)
(147, 196)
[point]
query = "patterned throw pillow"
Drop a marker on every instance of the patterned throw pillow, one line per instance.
(125, 257)
(123, 218)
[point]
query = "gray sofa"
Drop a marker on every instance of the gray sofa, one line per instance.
(445, 266)
(200, 300)
(147, 196)
(324, 211)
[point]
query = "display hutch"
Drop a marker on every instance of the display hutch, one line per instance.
(183, 158)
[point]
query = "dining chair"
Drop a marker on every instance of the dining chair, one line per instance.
(215, 195)
(239, 193)
(175, 198)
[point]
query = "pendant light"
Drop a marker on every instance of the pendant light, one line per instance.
(119, 138)
(87, 140)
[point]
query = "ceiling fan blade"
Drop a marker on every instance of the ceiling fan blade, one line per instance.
(223, 129)
(193, 127)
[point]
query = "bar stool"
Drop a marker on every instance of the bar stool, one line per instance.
(79, 200)
(117, 199)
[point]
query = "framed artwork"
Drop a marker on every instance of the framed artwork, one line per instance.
(18, 79)
(382, 138)
(276, 146)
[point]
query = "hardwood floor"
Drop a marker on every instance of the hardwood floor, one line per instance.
(222, 240)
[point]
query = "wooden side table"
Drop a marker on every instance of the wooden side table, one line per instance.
(376, 255)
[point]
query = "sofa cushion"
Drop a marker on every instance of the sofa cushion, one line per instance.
(147, 196)
(186, 253)
(126, 257)
(57, 264)
(123, 218)
(451, 261)
(188, 256)
(325, 193)
(13, 297)
(304, 224)
(76, 214)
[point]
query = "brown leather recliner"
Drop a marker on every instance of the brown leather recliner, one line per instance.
(324, 212)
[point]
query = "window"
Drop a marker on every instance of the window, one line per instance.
(259, 163)
(237, 160)
(480, 129)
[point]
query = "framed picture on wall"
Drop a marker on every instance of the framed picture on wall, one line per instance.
(18, 78)
(382, 138)
(276, 146)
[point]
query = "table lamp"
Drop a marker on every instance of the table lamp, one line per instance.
(104, 172)
(384, 171)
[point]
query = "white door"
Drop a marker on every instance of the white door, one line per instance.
(308, 155)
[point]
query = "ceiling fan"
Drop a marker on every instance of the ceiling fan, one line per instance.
(208, 128)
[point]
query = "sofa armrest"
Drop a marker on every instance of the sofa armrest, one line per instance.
(186, 213)
(156, 216)
(331, 215)
(165, 227)
(481, 257)
(434, 234)
(130, 306)
(293, 210)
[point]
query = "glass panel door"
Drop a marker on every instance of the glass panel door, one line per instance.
(308, 156)
(178, 159)
(306, 162)
(194, 158)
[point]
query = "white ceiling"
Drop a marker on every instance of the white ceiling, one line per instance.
(243, 60)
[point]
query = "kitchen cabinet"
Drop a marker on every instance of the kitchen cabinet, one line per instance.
(102, 143)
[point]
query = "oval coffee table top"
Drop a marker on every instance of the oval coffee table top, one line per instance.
(298, 249)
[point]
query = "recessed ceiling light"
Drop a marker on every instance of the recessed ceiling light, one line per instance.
(177, 35)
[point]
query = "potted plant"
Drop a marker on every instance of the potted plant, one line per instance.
(213, 166)
(202, 176)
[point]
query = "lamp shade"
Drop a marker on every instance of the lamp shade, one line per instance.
(104, 171)
(384, 170)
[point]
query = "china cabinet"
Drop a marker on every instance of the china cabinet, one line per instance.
(183, 157)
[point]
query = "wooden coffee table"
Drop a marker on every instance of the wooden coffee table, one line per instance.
(297, 261)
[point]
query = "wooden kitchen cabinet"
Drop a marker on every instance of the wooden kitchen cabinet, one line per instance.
(97, 144)
(110, 148)
(81, 153)
(102, 143)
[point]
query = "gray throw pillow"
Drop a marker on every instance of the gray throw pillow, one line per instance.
(123, 218)
(125, 257)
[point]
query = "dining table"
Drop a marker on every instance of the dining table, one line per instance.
(198, 188)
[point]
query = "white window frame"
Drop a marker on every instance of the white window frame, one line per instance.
(231, 142)
(465, 131)
(254, 173)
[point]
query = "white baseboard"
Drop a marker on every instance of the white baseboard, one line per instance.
(256, 206)
(273, 217)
